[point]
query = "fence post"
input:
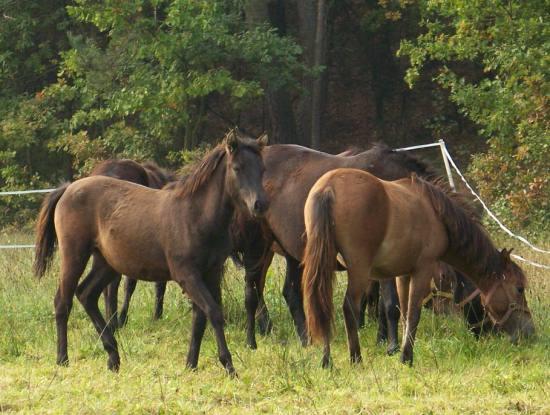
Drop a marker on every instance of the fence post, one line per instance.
(443, 148)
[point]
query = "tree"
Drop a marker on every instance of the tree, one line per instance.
(510, 43)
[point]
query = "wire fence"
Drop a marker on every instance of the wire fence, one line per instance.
(448, 162)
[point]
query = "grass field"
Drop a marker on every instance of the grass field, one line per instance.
(453, 373)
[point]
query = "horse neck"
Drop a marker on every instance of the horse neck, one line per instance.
(363, 161)
(214, 201)
(480, 271)
(379, 165)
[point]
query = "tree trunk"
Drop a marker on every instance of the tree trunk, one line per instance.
(279, 103)
(313, 36)
(319, 59)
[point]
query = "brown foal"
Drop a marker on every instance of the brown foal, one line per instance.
(180, 234)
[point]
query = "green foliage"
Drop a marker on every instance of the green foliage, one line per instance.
(508, 98)
(124, 79)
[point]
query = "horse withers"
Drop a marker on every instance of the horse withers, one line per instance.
(180, 234)
(383, 229)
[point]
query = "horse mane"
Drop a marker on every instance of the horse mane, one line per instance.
(465, 232)
(204, 169)
(405, 159)
(189, 184)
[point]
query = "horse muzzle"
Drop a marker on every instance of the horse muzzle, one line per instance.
(260, 207)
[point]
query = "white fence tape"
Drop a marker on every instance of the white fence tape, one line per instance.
(491, 214)
(535, 264)
(25, 192)
(446, 158)
(15, 246)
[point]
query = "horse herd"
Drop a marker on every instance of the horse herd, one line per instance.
(378, 214)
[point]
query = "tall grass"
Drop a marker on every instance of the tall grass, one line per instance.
(453, 372)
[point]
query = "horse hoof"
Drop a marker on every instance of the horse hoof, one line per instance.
(265, 327)
(355, 360)
(391, 350)
(407, 360)
(232, 372)
(63, 361)
(252, 345)
(113, 364)
(326, 363)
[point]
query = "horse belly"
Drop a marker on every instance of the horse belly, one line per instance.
(133, 256)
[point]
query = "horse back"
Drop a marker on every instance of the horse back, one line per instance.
(121, 220)
(385, 226)
(123, 169)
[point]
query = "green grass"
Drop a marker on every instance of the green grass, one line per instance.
(453, 373)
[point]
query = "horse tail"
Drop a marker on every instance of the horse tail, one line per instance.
(45, 232)
(319, 265)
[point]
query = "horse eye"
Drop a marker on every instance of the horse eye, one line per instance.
(521, 290)
(236, 169)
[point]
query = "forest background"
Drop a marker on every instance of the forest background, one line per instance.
(163, 80)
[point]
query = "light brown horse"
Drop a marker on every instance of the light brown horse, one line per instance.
(180, 234)
(383, 229)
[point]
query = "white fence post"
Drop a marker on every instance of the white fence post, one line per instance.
(443, 148)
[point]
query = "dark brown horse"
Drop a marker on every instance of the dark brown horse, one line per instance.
(150, 175)
(180, 234)
(383, 229)
(291, 171)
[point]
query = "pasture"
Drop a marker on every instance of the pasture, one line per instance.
(453, 373)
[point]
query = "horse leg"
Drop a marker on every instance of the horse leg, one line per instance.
(265, 325)
(292, 293)
(382, 333)
(88, 293)
(253, 259)
(110, 294)
(160, 289)
(390, 315)
(208, 299)
(352, 306)
(197, 332)
(129, 288)
(419, 284)
(73, 263)
(369, 303)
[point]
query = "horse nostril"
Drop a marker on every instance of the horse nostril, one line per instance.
(260, 206)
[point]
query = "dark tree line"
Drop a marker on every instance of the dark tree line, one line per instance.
(86, 80)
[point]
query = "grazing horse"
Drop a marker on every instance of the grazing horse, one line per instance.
(150, 175)
(291, 171)
(180, 234)
(383, 229)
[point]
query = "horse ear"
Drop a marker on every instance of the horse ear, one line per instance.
(262, 140)
(231, 141)
(505, 254)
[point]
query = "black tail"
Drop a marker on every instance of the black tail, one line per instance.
(46, 237)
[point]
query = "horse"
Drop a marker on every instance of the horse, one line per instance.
(403, 227)
(150, 175)
(291, 171)
(180, 234)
